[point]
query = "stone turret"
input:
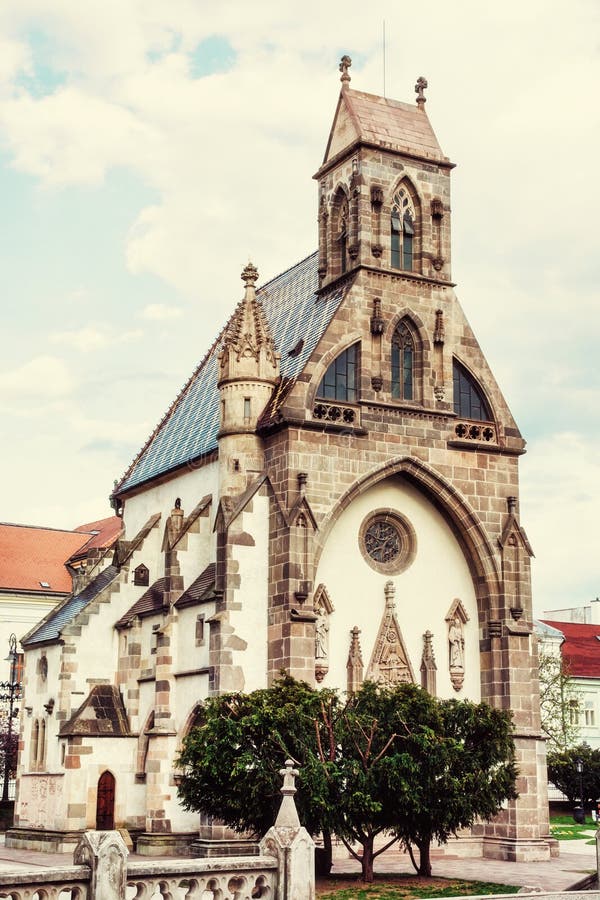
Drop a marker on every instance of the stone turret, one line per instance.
(248, 372)
(384, 189)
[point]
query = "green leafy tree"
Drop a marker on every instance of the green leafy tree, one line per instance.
(392, 761)
(562, 772)
(559, 701)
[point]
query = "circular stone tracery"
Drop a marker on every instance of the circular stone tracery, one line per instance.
(387, 541)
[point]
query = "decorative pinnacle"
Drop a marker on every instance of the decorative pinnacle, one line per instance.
(390, 592)
(250, 275)
(344, 66)
(289, 778)
(419, 91)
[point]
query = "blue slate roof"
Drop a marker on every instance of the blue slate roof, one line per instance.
(51, 627)
(189, 429)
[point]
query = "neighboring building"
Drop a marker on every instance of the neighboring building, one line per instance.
(579, 646)
(37, 566)
(334, 492)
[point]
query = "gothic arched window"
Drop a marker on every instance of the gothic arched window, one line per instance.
(340, 381)
(469, 401)
(402, 230)
(403, 363)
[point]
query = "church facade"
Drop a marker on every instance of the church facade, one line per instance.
(334, 493)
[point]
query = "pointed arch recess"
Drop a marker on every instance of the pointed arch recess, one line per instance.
(339, 230)
(462, 519)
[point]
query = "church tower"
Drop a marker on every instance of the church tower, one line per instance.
(248, 370)
(384, 189)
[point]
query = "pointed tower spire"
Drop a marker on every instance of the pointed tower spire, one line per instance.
(248, 372)
(248, 343)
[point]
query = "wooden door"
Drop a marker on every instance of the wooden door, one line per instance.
(105, 803)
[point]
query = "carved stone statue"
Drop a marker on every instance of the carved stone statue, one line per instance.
(456, 619)
(321, 634)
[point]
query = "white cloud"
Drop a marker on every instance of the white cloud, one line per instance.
(42, 378)
(158, 312)
(93, 337)
(561, 499)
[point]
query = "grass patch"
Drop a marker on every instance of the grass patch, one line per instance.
(404, 887)
(563, 828)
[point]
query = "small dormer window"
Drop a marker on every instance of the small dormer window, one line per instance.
(141, 576)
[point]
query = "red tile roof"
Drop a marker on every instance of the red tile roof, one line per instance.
(581, 648)
(104, 533)
(30, 555)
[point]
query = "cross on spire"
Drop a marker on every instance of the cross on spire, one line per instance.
(345, 64)
(420, 91)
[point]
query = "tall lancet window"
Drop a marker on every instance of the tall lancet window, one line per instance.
(402, 231)
(403, 363)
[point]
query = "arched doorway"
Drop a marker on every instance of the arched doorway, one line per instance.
(105, 802)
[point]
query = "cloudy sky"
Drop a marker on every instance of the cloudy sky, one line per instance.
(148, 148)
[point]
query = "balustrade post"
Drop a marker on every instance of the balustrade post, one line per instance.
(291, 844)
(106, 855)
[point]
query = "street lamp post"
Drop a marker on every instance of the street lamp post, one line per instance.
(579, 811)
(9, 692)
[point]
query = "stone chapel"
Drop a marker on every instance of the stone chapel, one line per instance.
(334, 492)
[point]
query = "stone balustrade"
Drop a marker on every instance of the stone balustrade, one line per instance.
(227, 878)
(66, 883)
(284, 871)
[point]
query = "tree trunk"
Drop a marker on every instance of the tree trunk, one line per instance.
(367, 860)
(424, 857)
(324, 855)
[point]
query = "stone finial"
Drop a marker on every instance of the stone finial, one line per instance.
(345, 64)
(420, 91)
(511, 503)
(288, 814)
(250, 275)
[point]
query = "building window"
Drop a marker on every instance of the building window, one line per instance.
(247, 408)
(469, 402)
(574, 712)
(340, 381)
(35, 738)
(403, 361)
(589, 712)
(402, 231)
(200, 631)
